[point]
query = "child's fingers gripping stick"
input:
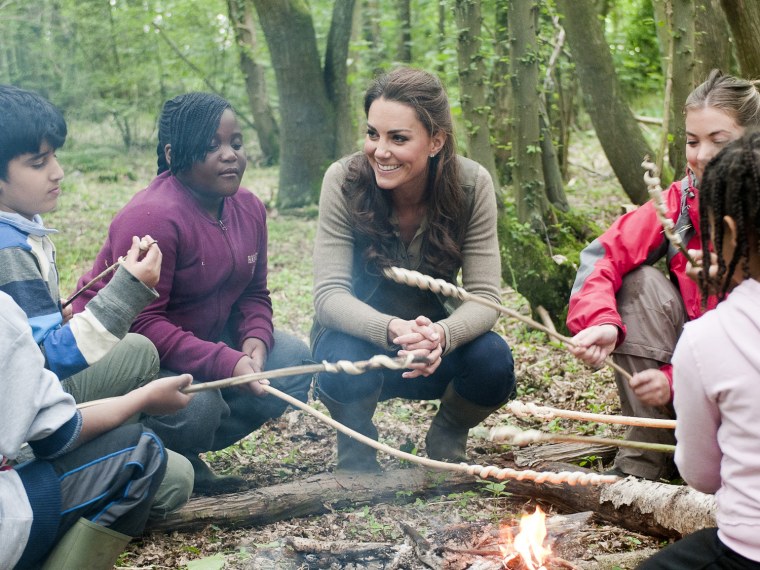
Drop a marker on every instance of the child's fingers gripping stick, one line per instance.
(146, 242)
(165, 395)
(147, 269)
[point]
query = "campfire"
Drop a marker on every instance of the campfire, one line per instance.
(526, 550)
(531, 543)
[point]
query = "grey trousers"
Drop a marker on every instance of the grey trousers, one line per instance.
(132, 363)
(110, 480)
(653, 312)
(216, 419)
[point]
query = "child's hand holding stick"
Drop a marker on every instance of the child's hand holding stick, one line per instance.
(146, 269)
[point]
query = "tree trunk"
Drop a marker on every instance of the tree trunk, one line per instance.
(441, 28)
(404, 50)
(683, 81)
(336, 75)
(743, 17)
(553, 178)
(712, 38)
(473, 85)
(527, 172)
(555, 189)
(501, 131)
(307, 117)
(619, 134)
(566, 87)
(662, 29)
(657, 509)
(265, 123)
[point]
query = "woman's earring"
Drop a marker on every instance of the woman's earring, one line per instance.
(432, 155)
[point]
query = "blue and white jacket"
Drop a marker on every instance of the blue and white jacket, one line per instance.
(28, 274)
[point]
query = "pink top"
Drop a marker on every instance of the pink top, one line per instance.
(717, 400)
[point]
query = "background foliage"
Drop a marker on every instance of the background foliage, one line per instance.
(116, 61)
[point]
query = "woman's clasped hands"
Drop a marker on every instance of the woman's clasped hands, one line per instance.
(254, 360)
(420, 337)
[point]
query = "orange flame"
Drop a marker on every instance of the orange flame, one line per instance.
(528, 545)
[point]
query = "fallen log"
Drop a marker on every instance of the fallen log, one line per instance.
(656, 509)
(311, 496)
(533, 455)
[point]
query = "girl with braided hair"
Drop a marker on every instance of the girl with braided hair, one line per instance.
(717, 371)
(213, 317)
(621, 305)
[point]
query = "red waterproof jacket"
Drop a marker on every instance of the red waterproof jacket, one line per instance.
(634, 239)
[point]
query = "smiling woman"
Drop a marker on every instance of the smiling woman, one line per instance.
(213, 317)
(408, 200)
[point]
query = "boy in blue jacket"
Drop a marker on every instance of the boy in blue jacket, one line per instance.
(91, 353)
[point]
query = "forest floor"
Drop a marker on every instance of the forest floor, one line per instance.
(297, 445)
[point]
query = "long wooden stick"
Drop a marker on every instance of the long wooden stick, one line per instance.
(522, 409)
(113, 267)
(515, 436)
(569, 477)
(417, 279)
(668, 85)
(346, 366)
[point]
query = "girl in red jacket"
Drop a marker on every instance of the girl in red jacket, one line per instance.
(623, 306)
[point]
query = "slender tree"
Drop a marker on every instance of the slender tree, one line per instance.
(473, 84)
(404, 51)
(617, 130)
(265, 124)
(501, 129)
(683, 80)
(527, 172)
(744, 20)
(336, 74)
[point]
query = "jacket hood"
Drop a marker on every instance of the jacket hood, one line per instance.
(33, 227)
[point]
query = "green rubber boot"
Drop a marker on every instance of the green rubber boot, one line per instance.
(87, 545)
(446, 438)
(353, 455)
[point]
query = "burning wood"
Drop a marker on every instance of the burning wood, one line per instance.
(533, 543)
(527, 549)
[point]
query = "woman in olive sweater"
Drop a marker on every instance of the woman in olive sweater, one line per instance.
(408, 200)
